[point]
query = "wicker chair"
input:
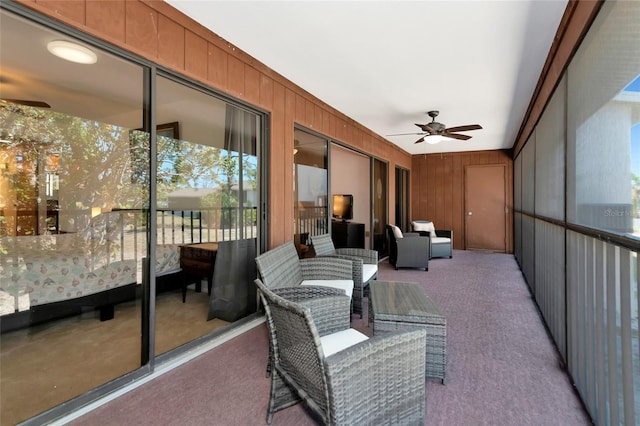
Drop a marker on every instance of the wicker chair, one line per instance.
(296, 279)
(344, 377)
(281, 267)
(365, 265)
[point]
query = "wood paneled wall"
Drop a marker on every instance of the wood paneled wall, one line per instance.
(156, 31)
(437, 189)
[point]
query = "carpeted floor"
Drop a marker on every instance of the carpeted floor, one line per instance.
(502, 368)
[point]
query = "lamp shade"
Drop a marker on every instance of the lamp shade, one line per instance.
(434, 139)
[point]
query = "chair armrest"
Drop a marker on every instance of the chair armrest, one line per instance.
(368, 256)
(413, 244)
(413, 252)
(380, 379)
(412, 234)
(326, 268)
(445, 233)
(330, 308)
(298, 293)
(330, 314)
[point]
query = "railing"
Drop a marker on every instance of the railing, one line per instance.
(175, 227)
(313, 221)
(206, 225)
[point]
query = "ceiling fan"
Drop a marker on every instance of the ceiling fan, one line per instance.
(433, 129)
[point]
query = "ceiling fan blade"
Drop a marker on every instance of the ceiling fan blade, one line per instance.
(420, 140)
(464, 128)
(38, 104)
(457, 136)
(404, 134)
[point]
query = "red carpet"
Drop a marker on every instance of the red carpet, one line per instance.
(502, 368)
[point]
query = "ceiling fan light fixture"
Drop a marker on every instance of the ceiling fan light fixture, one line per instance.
(434, 139)
(72, 52)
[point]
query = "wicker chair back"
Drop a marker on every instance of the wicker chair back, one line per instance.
(280, 267)
(297, 353)
(323, 245)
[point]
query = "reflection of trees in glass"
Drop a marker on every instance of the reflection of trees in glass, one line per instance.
(93, 163)
(24, 133)
(183, 164)
(102, 165)
(98, 166)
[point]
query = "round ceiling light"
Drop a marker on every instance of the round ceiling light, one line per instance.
(72, 52)
(434, 139)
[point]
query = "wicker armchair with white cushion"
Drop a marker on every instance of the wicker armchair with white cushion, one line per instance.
(407, 250)
(365, 265)
(281, 267)
(441, 239)
(298, 279)
(345, 377)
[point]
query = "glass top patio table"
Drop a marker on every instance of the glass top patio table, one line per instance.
(403, 302)
(404, 305)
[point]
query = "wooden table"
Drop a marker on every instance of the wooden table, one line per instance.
(197, 262)
(401, 305)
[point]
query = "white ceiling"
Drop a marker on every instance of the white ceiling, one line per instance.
(386, 63)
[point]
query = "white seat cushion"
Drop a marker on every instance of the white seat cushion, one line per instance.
(423, 226)
(336, 342)
(345, 285)
(440, 240)
(396, 232)
(368, 271)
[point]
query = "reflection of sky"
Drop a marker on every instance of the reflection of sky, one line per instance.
(634, 86)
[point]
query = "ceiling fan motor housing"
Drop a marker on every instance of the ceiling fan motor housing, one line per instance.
(437, 127)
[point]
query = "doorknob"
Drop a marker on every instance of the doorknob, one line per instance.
(469, 213)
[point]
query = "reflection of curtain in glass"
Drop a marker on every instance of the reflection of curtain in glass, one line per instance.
(240, 132)
(240, 136)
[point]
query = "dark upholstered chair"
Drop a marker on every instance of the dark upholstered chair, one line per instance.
(365, 265)
(345, 377)
(441, 244)
(408, 250)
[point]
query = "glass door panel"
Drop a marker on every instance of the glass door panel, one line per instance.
(380, 197)
(207, 204)
(402, 198)
(69, 263)
(311, 216)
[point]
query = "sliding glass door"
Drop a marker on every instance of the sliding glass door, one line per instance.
(207, 198)
(380, 203)
(311, 215)
(402, 198)
(121, 190)
(69, 254)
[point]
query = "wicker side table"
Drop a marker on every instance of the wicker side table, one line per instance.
(401, 305)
